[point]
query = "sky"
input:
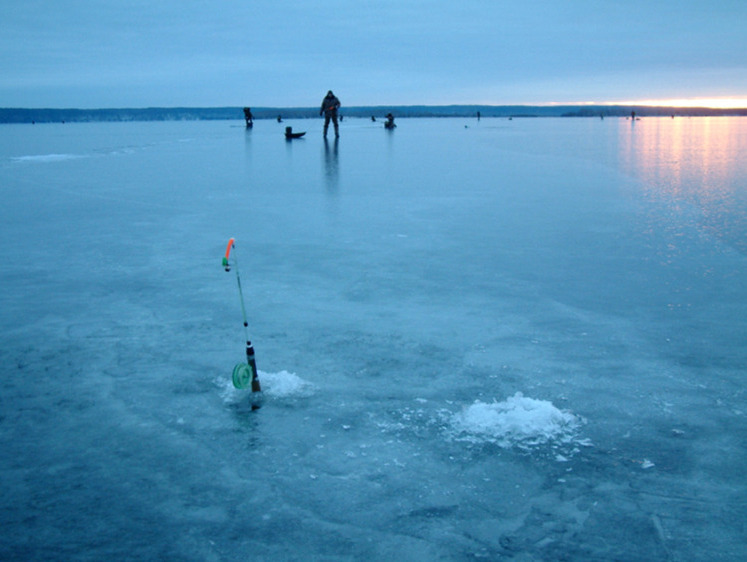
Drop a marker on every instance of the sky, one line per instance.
(288, 53)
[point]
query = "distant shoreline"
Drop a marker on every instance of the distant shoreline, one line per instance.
(50, 115)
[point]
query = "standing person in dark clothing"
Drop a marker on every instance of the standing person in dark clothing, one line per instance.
(330, 105)
(248, 117)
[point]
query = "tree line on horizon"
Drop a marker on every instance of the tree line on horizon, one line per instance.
(51, 115)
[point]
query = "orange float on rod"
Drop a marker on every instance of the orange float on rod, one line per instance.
(228, 253)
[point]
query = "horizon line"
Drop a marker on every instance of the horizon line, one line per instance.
(683, 103)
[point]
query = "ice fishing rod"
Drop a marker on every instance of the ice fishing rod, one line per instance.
(244, 374)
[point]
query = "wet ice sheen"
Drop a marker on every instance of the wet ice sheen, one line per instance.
(507, 340)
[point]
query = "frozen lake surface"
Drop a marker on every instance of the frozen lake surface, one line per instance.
(519, 339)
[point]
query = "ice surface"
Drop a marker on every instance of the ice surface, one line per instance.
(501, 339)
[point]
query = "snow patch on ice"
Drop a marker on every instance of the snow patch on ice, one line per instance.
(517, 421)
(47, 157)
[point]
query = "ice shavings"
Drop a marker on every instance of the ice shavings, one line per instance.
(276, 385)
(284, 384)
(517, 421)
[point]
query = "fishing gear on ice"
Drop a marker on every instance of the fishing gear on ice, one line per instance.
(244, 374)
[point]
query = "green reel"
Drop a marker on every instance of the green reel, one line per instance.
(242, 375)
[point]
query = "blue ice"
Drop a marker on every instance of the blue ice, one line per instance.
(498, 339)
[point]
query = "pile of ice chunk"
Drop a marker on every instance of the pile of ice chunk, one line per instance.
(284, 384)
(517, 421)
(275, 385)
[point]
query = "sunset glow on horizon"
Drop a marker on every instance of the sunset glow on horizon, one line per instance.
(709, 103)
(713, 103)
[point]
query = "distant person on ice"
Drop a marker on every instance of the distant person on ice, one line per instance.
(330, 105)
(248, 117)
